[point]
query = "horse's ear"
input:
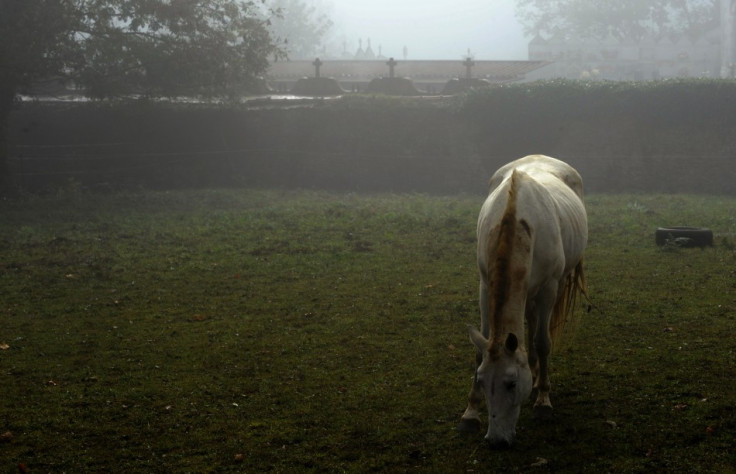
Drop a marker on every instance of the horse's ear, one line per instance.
(480, 342)
(512, 343)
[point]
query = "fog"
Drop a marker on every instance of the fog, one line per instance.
(429, 29)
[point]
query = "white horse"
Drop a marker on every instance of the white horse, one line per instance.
(532, 231)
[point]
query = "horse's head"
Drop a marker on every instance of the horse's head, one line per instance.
(506, 380)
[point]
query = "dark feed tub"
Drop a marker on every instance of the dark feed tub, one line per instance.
(684, 236)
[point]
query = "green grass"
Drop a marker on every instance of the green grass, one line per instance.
(165, 332)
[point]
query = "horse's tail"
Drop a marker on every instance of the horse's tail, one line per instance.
(563, 313)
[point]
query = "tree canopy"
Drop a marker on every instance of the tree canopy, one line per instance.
(632, 19)
(146, 47)
(179, 47)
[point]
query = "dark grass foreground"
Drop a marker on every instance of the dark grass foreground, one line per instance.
(267, 331)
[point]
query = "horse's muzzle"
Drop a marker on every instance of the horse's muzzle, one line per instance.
(500, 443)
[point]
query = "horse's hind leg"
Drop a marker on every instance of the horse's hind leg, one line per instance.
(531, 327)
(542, 344)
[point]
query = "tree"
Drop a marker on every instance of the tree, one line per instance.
(33, 37)
(169, 48)
(156, 48)
(632, 19)
(302, 28)
(149, 47)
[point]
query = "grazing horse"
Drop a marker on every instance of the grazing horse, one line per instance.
(532, 231)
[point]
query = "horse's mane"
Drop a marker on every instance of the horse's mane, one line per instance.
(501, 271)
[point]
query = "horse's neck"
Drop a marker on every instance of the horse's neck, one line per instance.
(510, 317)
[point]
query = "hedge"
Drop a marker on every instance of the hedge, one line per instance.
(669, 136)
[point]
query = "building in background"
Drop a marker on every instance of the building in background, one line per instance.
(709, 55)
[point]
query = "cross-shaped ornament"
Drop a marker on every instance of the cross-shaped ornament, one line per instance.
(317, 64)
(391, 64)
(468, 63)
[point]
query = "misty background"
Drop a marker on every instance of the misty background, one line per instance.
(419, 30)
(497, 30)
(436, 29)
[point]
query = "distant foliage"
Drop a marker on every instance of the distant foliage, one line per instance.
(299, 27)
(622, 19)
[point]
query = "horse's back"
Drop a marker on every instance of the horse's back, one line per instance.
(541, 167)
(546, 187)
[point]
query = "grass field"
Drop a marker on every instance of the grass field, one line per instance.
(255, 330)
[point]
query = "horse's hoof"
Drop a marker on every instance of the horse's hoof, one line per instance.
(542, 412)
(469, 425)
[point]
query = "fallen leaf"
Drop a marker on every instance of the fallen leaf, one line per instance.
(51, 383)
(239, 457)
(710, 429)
(7, 436)
(199, 317)
(540, 462)
(4, 346)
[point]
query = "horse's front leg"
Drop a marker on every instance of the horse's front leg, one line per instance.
(542, 344)
(531, 328)
(470, 421)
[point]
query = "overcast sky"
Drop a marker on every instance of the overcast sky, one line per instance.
(430, 29)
